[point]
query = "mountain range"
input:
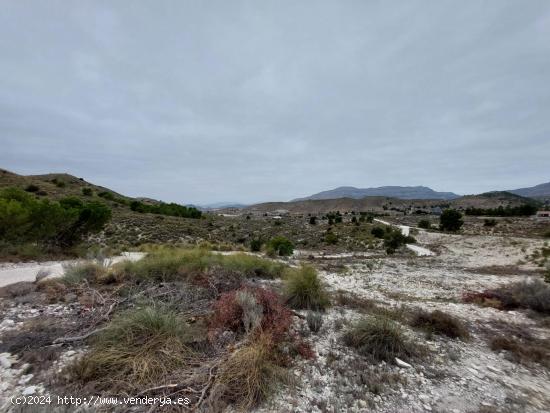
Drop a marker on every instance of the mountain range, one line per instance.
(413, 192)
(400, 192)
(537, 191)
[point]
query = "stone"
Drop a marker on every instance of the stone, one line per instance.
(28, 391)
(402, 363)
(5, 362)
(25, 379)
(493, 369)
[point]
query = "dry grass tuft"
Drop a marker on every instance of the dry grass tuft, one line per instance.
(303, 289)
(251, 374)
(532, 294)
(380, 339)
(521, 350)
(82, 271)
(139, 347)
(438, 322)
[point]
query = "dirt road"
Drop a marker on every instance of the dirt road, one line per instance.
(15, 272)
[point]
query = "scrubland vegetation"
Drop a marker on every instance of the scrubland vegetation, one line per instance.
(250, 312)
(27, 222)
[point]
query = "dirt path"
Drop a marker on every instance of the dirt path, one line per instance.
(11, 273)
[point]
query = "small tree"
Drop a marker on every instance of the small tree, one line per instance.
(280, 246)
(312, 220)
(451, 220)
(32, 188)
(378, 232)
(424, 223)
(256, 245)
(331, 238)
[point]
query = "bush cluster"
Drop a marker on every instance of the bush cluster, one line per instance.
(280, 246)
(171, 209)
(424, 223)
(451, 220)
(531, 294)
(24, 218)
(508, 211)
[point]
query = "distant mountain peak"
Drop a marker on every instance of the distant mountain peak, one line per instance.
(541, 190)
(400, 192)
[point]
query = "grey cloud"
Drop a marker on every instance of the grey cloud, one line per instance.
(247, 101)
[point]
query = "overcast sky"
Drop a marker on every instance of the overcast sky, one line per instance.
(205, 101)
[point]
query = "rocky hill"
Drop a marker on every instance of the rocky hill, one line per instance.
(387, 204)
(537, 191)
(399, 192)
(53, 185)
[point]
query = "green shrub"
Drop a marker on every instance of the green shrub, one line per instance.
(25, 219)
(489, 222)
(280, 246)
(451, 220)
(331, 238)
(379, 339)
(303, 289)
(171, 209)
(378, 232)
(312, 220)
(87, 191)
(508, 211)
(394, 239)
(32, 188)
(59, 183)
(424, 223)
(106, 195)
(256, 245)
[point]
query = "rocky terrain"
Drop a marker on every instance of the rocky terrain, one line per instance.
(460, 376)
(452, 375)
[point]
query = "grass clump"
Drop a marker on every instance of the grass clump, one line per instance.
(303, 289)
(79, 272)
(251, 374)
(438, 322)
(168, 264)
(524, 351)
(379, 339)
(139, 347)
(314, 321)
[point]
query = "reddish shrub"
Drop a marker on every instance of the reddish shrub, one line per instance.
(486, 298)
(304, 349)
(228, 314)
